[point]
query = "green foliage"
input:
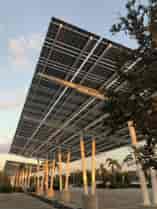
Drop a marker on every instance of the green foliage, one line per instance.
(76, 178)
(113, 164)
(6, 189)
(17, 189)
(107, 178)
(136, 22)
(56, 182)
(137, 104)
(114, 178)
(102, 174)
(5, 185)
(146, 156)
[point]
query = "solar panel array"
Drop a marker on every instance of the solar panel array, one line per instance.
(53, 116)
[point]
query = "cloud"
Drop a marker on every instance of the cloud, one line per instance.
(10, 100)
(23, 49)
(5, 142)
(4, 148)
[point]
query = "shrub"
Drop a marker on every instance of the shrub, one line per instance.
(56, 182)
(6, 189)
(17, 189)
(5, 185)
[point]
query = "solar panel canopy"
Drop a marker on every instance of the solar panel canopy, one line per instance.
(53, 116)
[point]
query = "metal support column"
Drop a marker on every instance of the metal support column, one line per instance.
(51, 190)
(93, 167)
(46, 174)
(60, 171)
(84, 167)
(38, 179)
(29, 175)
(67, 172)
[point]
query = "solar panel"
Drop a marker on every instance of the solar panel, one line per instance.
(67, 113)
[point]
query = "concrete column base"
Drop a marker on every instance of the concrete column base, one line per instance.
(40, 192)
(50, 193)
(89, 202)
(65, 196)
(24, 188)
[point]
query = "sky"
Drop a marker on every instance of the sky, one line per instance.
(23, 25)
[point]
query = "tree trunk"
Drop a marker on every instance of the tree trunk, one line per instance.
(140, 172)
(143, 185)
(154, 185)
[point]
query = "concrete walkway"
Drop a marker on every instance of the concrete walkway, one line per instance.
(21, 201)
(107, 198)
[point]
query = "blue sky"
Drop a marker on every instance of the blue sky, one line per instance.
(23, 25)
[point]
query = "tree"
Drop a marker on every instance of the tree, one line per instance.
(139, 23)
(115, 168)
(129, 160)
(102, 172)
(113, 164)
(137, 103)
(5, 184)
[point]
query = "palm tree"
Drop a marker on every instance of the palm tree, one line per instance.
(113, 164)
(128, 160)
(103, 173)
(141, 169)
(115, 168)
(4, 179)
